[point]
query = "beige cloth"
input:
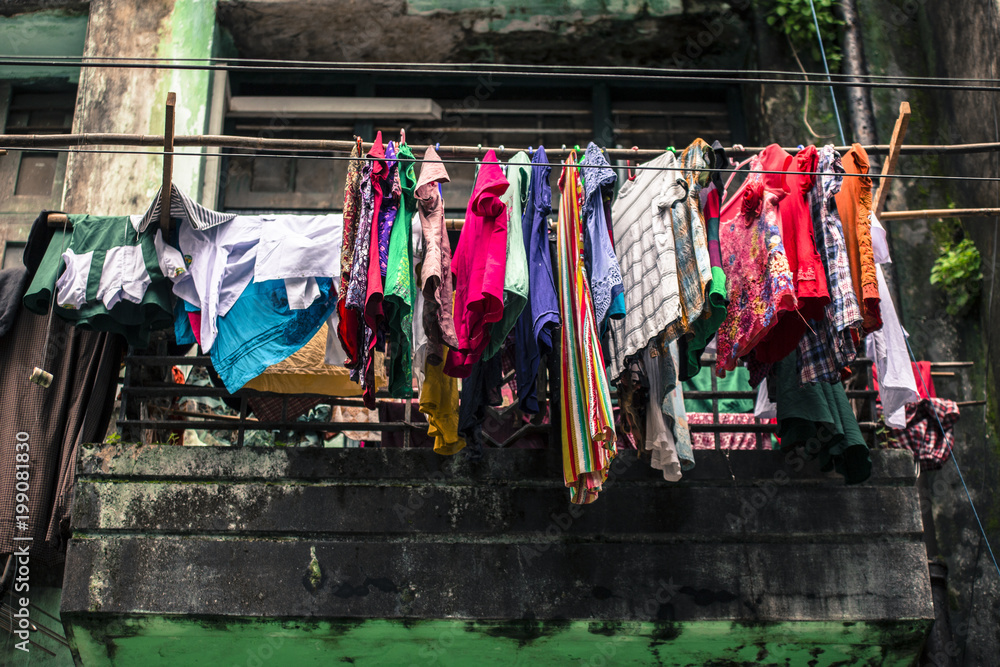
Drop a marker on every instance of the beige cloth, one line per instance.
(306, 372)
(436, 281)
(357, 416)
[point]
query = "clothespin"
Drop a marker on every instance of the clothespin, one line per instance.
(501, 150)
(801, 147)
(437, 147)
(628, 166)
(670, 149)
(168, 165)
(531, 151)
(402, 136)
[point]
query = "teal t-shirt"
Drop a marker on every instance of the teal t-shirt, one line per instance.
(399, 288)
(515, 277)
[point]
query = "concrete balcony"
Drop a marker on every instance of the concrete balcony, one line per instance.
(210, 556)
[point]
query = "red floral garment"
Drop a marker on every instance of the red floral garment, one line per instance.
(757, 273)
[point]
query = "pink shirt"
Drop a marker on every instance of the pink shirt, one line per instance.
(478, 266)
(373, 298)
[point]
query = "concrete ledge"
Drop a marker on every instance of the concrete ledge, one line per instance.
(664, 511)
(877, 581)
(512, 466)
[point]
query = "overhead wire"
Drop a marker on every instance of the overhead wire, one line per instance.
(565, 71)
(332, 65)
(676, 75)
(954, 459)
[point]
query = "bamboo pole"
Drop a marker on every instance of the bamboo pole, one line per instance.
(940, 213)
(345, 146)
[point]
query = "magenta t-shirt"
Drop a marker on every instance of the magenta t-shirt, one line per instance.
(479, 265)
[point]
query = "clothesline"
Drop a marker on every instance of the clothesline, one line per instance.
(450, 69)
(612, 153)
(33, 141)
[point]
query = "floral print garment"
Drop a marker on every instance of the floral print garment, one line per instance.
(759, 279)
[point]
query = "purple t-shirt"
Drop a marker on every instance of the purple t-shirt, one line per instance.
(540, 317)
(387, 214)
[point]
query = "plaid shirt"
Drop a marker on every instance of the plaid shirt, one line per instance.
(818, 353)
(830, 235)
(930, 445)
(828, 347)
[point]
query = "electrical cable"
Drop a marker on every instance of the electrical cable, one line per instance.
(954, 460)
(332, 65)
(694, 76)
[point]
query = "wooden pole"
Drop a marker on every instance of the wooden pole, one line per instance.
(19, 141)
(940, 213)
(889, 166)
(168, 164)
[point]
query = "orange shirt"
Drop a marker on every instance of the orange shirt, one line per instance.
(854, 203)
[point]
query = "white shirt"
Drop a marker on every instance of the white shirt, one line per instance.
(220, 264)
(222, 260)
(880, 244)
(123, 276)
(887, 347)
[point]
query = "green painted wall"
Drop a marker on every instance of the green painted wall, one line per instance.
(50, 33)
(157, 640)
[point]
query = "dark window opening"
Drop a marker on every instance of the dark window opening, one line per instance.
(33, 112)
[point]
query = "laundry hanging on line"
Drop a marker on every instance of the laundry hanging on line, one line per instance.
(653, 272)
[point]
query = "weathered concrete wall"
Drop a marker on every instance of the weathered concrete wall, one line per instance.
(590, 32)
(367, 555)
(132, 100)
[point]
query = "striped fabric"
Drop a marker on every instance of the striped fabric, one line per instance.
(586, 421)
(181, 206)
(644, 242)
